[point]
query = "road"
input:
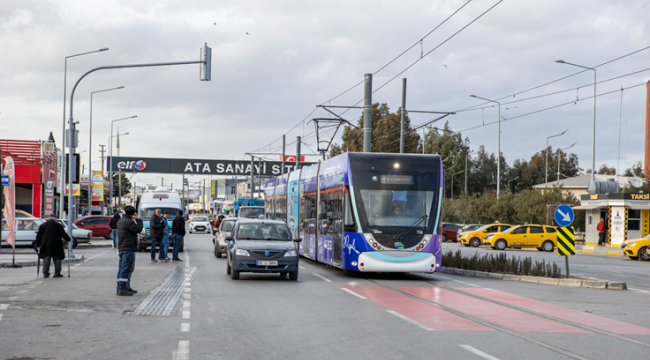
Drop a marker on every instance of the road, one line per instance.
(326, 314)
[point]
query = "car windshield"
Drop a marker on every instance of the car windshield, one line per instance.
(251, 213)
(227, 226)
(278, 232)
(147, 213)
(200, 218)
(510, 229)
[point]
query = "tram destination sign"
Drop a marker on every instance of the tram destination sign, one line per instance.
(198, 166)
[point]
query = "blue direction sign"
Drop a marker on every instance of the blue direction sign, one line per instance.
(564, 215)
(5, 180)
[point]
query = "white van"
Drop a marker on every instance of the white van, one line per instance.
(163, 199)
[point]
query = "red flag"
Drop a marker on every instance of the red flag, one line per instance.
(10, 201)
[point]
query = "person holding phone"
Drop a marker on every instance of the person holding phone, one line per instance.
(128, 229)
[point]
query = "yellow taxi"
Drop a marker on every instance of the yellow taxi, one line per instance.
(542, 237)
(637, 248)
(475, 238)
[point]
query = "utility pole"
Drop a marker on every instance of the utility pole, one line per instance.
(297, 153)
(283, 155)
(203, 197)
(102, 156)
(403, 122)
(367, 113)
(252, 175)
(119, 193)
(183, 194)
(259, 178)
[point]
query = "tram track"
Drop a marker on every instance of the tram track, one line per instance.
(504, 329)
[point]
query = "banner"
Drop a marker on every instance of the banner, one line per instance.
(213, 188)
(98, 186)
(48, 207)
(76, 189)
(199, 166)
(10, 201)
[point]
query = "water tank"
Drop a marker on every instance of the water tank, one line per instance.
(604, 187)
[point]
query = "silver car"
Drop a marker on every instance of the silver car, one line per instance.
(225, 230)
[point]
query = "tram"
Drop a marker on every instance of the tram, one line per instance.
(369, 212)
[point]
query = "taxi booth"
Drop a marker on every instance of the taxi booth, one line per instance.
(627, 216)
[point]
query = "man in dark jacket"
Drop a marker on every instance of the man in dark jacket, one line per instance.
(157, 231)
(128, 229)
(49, 240)
(113, 224)
(178, 229)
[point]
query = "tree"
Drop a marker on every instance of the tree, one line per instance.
(604, 169)
(534, 171)
(51, 138)
(385, 133)
(126, 185)
(452, 150)
(635, 170)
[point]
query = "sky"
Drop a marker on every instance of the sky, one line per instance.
(274, 61)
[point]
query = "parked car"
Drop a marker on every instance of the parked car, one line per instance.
(225, 230)
(450, 231)
(261, 246)
(200, 223)
(541, 237)
(80, 236)
(25, 230)
(637, 248)
(475, 238)
(98, 224)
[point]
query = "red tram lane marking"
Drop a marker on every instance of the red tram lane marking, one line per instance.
(422, 313)
(594, 321)
(501, 315)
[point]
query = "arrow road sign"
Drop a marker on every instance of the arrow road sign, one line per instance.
(564, 215)
(5, 180)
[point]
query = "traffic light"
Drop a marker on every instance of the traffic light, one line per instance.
(206, 68)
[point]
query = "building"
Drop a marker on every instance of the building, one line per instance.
(36, 165)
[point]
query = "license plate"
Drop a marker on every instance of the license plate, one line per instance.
(267, 263)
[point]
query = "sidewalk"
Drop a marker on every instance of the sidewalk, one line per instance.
(26, 256)
(598, 250)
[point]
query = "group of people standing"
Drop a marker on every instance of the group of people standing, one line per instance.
(160, 232)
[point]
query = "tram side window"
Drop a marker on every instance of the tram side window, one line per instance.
(308, 213)
(331, 211)
(281, 208)
(349, 217)
(269, 208)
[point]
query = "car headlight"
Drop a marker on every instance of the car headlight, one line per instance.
(290, 253)
(242, 252)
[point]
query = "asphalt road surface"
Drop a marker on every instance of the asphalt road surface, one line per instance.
(326, 314)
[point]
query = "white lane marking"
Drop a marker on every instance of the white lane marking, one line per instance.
(188, 289)
(187, 255)
(478, 352)
(322, 277)
(21, 291)
(186, 314)
(638, 290)
(0, 317)
(4, 306)
(458, 281)
(187, 296)
(421, 326)
(353, 293)
(302, 267)
(186, 304)
(618, 272)
(185, 327)
(443, 277)
(94, 256)
(472, 285)
(183, 352)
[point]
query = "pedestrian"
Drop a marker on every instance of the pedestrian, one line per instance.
(113, 224)
(49, 240)
(128, 229)
(178, 231)
(164, 247)
(602, 229)
(156, 226)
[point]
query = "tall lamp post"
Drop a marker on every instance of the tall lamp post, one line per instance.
(467, 155)
(558, 159)
(65, 76)
(593, 130)
(90, 147)
(110, 151)
(498, 143)
(452, 183)
(546, 164)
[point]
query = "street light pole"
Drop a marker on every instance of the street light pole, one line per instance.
(65, 77)
(90, 147)
(498, 143)
(452, 183)
(110, 150)
(558, 160)
(593, 130)
(546, 164)
(466, 155)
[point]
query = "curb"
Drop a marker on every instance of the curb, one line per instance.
(589, 283)
(33, 263)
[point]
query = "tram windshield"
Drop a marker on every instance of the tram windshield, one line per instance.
(395, 207)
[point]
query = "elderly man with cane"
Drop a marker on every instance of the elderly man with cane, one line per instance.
(49, 241)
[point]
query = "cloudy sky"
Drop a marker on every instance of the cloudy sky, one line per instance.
(274, 61)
